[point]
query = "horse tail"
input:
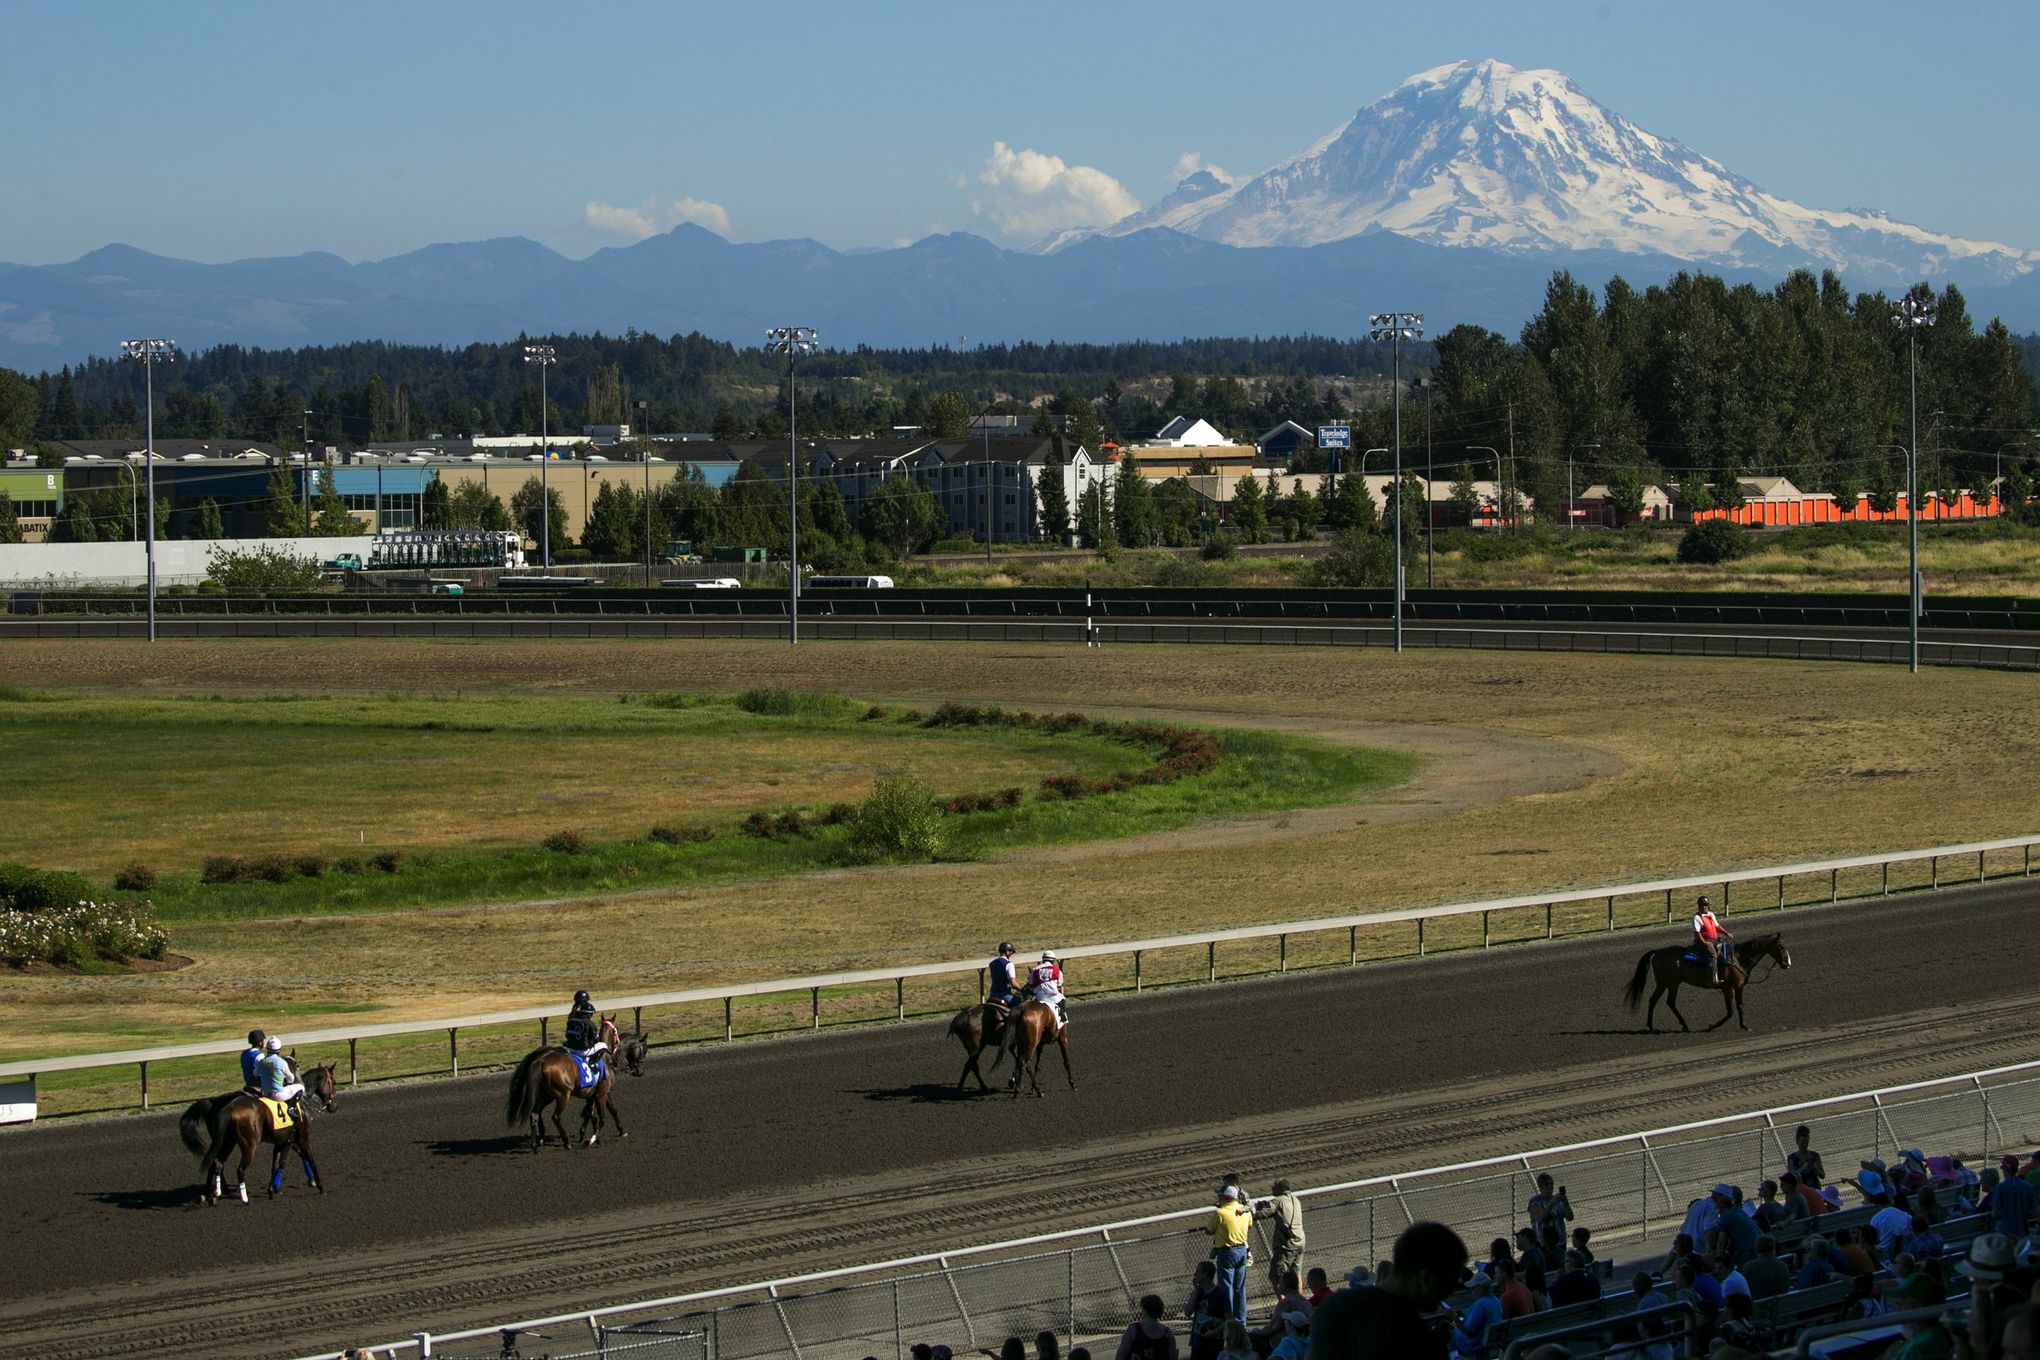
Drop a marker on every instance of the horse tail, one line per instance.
(194, 1126)
(523, 1091)
(1633, 993)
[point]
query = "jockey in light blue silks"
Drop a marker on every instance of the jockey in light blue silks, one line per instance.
(278, 1080)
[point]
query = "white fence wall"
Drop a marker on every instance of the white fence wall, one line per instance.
(179, 561)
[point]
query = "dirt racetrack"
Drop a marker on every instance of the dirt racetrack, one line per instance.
(764, 1159)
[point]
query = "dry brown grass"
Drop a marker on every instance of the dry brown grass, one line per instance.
(1717, 764)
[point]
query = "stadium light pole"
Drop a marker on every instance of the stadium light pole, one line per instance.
(792, 341)
(149, 353)
(1913, 313)
(543, 356)
(645, 456)
(1396, 327)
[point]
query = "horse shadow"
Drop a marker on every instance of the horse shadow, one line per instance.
(927, 1093)
(477, 1147)
(1638, 1032)
(183, 1197)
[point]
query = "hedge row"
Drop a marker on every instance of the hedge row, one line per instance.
(79, 933)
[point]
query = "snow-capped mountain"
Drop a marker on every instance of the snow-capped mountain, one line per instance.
(1481, 154)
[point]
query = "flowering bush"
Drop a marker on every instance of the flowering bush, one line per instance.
(80, 933)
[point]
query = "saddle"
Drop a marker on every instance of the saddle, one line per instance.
(278, 1113)
(585, 1072)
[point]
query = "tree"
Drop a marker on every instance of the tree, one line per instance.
(726, 425)
(10, 526)
(286, 514)
(263, 571)
(536, 509)
(188, 415)
(1176, 507)
(1054, 499)
(1080, 422)
(1713, 541)
(1359, 559)
(1353, 505)
(437, 510)
(1250, 509)
(616, 523)
(1884, 489)
(1094, 517)
(1301, 508)
(604, 404)
(901, 514)
(378, 403)
(20, 407)
(1626, 490)
(471, 505)
(1045, 426)
(333, 520)
(1465, 496)
(1134, 518)
(947, 416)
(825, 506)
(208, 525)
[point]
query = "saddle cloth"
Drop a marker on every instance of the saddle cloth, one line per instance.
(585, 1072)
(278, 1112)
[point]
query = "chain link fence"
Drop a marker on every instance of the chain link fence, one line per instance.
(1632, 1192)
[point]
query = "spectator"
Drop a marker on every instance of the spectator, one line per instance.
(1540, 1291)
(1580, 1238)
(1863, 1301)
(1230, 1221)
(1012, 1348)
(1870, 1180)
(1698, 1286)
(1855, 1258)
(1386, 1321)
(1578, 1284)
(1528, 1249)
(1816, 1263)
(1286, 1236)
(1046, 1347)
(1923, 1242)
(1767, 1275)
(1913, 1286)
(1731, 1279)
(1470, 1331)
(1318, 1286)
(1803, 1161)
(2012, 1206)
(1293, 1343)
(1147, 1337)
(1512, 1294)
(1769, 1215)
(1289, 1303)
(1682, 1247)
(1733, 1231)
(921, 1350)
(1739, 1327)
(1831, 1197)
(1238, 1346)
(1208, 1307)
(1549, 1212)
(1646, 1291)
(1892, 1223)
(1703, 1216)
(1809, 1202)
(1080, 1353)
(1497, 1252)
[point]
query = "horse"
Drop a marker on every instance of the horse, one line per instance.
(548, 1076)
(969, 1027)
(215, 1127)
(1027, 1033)
(1672, 969)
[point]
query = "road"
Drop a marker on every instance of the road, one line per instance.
(763, 1159)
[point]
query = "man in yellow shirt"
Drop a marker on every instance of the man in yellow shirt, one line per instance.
(1230, 1222)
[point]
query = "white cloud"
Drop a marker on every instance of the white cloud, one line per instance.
(1031, 193)
(1190, 162)
(654, 217)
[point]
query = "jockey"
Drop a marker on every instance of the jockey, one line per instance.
(1710, 938)
(1000, 970)
(279, 1082)
(584, 1031)
(251, 1058)
(1045, 984)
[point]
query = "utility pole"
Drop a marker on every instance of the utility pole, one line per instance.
(1397, 327)
(1509, 486)
(645, 456)
(792, 341)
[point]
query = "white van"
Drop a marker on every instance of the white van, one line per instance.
(849, 583)
(705, 583)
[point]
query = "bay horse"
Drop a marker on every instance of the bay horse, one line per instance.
(970, 1030)
(548, 1076)
(1027, 1033)
(215, 1127)
(1671, 969)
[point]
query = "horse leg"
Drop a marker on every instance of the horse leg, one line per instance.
(614, 1117)
(1741, 1020)
(246, 1139)
(1650, 1015)
(559, 1120)
(304, 1153)
(1672, 1000)
(1062, 1041)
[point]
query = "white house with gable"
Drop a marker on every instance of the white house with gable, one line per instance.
(1186, 433)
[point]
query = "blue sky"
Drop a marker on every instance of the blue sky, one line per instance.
(214, 131)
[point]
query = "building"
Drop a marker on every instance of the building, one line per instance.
(1285, 442)
(37, 494)
(1185, 432)
(1164, 461)
(987, 489)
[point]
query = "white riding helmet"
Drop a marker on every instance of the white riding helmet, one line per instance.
(272, 1045)
(1048, 956)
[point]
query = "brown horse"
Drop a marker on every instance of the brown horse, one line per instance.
(978, 1028)
(1027, 1033)
(239, 1121)
(548, 1076)
(1672, 970)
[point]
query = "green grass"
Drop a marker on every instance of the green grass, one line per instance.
(1257, 771)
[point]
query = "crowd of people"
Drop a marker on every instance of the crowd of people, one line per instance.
(1431, 1301)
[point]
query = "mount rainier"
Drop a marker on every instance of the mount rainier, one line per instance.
(1480, 154)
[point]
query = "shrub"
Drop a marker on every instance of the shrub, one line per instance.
(758, 824)
(225, 869)
(786, 703)
(995, 801)
(565, 843)
(876, 713)
(79, 932)
(309, 866)
(790, 823)
(1712, 541)
(898, 822)
(137, 877)
(263, 571)
(1359, 558)
(387, 861)
(836, 814)
(667, 834)
(26, 889)
(349, 865)
(1219, 547)
(273, 869)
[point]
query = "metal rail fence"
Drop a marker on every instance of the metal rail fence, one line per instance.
(1632, 1190)
(1510, 638)
(1525, 916)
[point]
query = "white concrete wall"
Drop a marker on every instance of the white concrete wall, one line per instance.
(178, 561)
